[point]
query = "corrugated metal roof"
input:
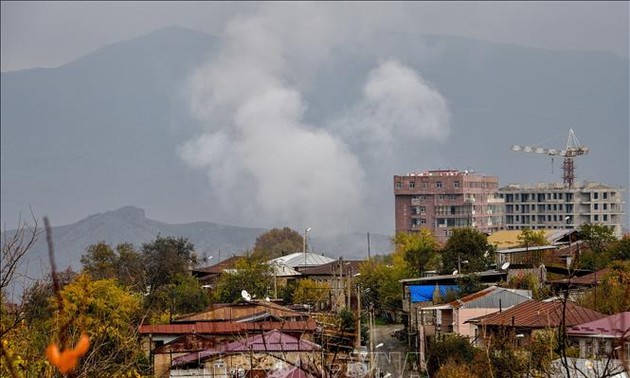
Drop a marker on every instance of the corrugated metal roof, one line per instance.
(536, 314)
(333, 267)
(219, 267)
(225, 327)
(617, 325)
(493, 297)
(588, 279)
(273, 341)
(228, 311)
(300, 259)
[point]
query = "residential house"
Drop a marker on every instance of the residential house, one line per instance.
(607, 337)
(220, 324)
(522, 320)
(453, 316)
(268, 354)
(339, 276)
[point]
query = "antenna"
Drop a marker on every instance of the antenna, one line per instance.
(246, 295)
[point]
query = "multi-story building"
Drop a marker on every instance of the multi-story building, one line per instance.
(442, 200)
(554, 206)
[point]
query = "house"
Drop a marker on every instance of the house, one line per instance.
(267, 354)
(522, 320)
(219, 324)
(339, 276)
(209, 274)
(301, 260)
(606, 337)
(452, 317)
(587, 368)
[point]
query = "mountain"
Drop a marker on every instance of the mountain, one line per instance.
(103, 131)
(129, 224)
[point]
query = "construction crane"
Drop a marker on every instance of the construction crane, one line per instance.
(574, 148)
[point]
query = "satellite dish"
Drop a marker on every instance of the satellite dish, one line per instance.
(505, 265)
(246, 295)
(267, 299)
(455, 272)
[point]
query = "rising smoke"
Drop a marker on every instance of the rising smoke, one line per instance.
(264, 161)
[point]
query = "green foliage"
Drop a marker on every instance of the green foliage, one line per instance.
(620, 249)
(166, 257)
(469, 284)
(277, 242)
(451, 348)
(597, 236)
(528, 281)
(419, 250)
(380, 284)
(531, 238)
(612, 296)
(249, 273)
(311, 292)
(182, 296)
(466, 244)
(124, 264)
(346, 320)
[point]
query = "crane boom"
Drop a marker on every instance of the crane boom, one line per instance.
(573, 148)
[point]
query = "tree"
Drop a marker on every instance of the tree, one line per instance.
(597, 236)
(468, 249)
(250, 274)
(124, 264)
(612, 296)
(166, 257)
(110, 316)
(419, 250)
(311, 292)
(451, 348)
(620, 250)
(531, 238)
(99, 261)
(277, 242)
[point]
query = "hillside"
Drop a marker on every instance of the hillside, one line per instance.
(103, 131)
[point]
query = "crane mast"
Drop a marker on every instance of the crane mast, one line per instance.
(573, 148)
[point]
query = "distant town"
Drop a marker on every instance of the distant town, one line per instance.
(514, 281)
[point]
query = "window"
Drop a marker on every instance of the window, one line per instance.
(423, 210)
(438, 184)
(596, 218)
(596, 206)
(595, 195)
(412, 184)
(452, 197)
(441, 197)
(605, 219)
(423, 221)
(398, 185)
(605, 206)
(605, 195)
(425, 185)
(456, 184)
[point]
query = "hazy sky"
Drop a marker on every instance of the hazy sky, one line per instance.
(250, 99)
(51, 33)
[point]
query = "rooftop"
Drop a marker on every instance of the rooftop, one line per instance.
(537, 314)
(617, 325)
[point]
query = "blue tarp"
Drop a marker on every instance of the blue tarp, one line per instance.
(424, 293)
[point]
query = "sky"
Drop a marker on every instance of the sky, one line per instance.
(249, 101)
(51, 33)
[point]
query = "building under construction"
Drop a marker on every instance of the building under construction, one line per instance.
(556, 206)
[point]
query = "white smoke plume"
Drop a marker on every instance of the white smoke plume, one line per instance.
(264, 162)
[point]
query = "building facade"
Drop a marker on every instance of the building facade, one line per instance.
(441, 200)
(555, 206)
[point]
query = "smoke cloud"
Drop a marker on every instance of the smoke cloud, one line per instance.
(264, 162)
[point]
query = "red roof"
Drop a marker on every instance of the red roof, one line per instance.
(536, 314)
(225, 327)
(617, 325)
